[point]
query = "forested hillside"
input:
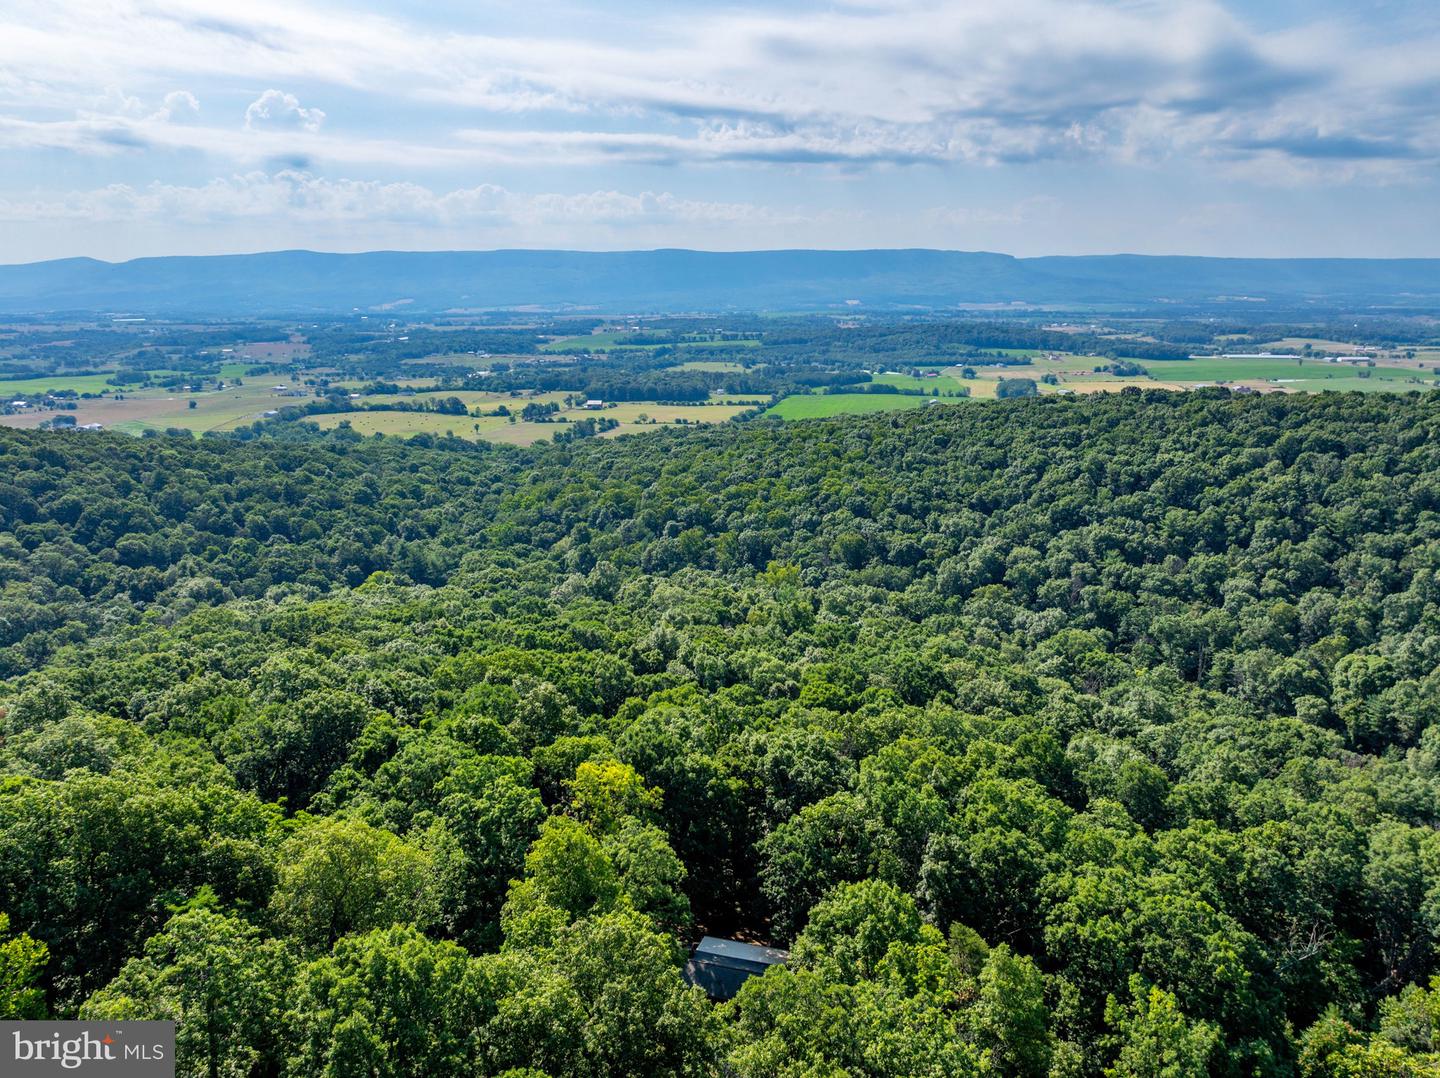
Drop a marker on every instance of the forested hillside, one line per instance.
(1054, 737)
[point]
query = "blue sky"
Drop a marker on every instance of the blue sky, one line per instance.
(1267, 128)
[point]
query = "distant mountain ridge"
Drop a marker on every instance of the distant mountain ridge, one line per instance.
(309, 282)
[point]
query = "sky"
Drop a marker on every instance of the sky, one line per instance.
(1274, 128)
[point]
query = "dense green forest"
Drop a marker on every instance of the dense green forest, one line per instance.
(1054, 737)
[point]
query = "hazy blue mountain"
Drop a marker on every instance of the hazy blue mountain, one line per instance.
(298, 282)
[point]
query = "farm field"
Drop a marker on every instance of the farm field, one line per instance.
(714, 365)
(1216, 370)
(632, 416)
(742, 342)
(1106, 384)
(982, 386)
(602, 341)
(143, 410)
(629, 413)
(454, 359)
(819, 406)
(945, 383)
(224, 410)
(1352, 385)
(473, 398)
(420, 384)
(55, 383)
(1321, 343)
(1076, 374)
(479, 398)
(409, 424)
(273, 351)
(583, 341)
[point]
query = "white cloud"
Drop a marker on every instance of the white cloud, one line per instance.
(116, 102)
(178, 106)
(1133, 81)
(299, 197)
(276, 110)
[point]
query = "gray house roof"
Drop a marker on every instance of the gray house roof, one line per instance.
(721, 966)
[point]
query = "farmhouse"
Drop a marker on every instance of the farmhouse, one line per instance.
(594, 404)
(721, 966)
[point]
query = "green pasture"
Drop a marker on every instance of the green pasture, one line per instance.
(944, 383)
(54, 383)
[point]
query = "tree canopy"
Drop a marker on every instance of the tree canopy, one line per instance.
(1054, 737)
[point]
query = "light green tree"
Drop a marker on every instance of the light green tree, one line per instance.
(339, 875)
(21, 961)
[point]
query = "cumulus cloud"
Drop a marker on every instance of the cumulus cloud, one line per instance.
(114, 101)
(277, 110)
(178, 105)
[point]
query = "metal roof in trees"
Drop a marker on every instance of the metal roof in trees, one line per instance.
(721, 966)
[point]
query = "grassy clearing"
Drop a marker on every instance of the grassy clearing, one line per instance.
(819, 406)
